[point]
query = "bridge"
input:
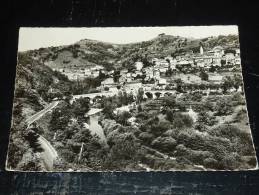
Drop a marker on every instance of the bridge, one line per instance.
(91, 96)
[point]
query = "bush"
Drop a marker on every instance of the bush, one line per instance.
(182, 121)
(240, 115)
(160, 128)
(123, 117)
(165, 144)
(223, 107)
(197, 156)
(229, 162)
(210, 163)
(227, 131)
(146, 137)
(206, 119)
(170, 115)
(204, 76)
(238, 99)
(181, 150)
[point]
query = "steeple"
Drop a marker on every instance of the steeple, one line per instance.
(201, 50)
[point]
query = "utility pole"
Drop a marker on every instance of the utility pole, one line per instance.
(81, 151)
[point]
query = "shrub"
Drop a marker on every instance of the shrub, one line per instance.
(223, 107)
(206, 119)
(160, 128)
(227, 131)
(238, 99)
(164, 143)
(210, 163)
(123, 117)
(181, 150)
(181, 121)
(146, 137)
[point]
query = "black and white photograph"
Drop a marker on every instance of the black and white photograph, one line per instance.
(130, 99)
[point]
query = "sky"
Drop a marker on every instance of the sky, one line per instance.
(34, 38)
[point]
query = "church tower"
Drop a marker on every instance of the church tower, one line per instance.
(201, 50)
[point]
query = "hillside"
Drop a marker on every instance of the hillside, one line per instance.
(89, 53)
(35, 85)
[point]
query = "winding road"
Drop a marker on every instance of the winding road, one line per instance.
(49, 154)
(39, 114)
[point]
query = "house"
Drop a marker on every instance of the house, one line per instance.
(216, 61)
(162, 81)
(218, 51)
(133, 86)
(237, 52)
(87, 72)
(110, 72)
(237, 61)
(139, 65)
(95, 73)
(216, 79)
(230, 58)
(107, 82)
(147, 87)
(156, 74)
(123, 71)
(128, 75)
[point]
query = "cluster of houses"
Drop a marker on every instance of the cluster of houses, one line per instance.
(217, 57)
(81, 73)
(156, 77)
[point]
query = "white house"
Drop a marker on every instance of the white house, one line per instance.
(107, 82)
(139, 65)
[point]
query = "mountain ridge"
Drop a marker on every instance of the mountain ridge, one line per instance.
(89, 53)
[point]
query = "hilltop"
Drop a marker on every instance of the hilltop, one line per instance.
(89, 53)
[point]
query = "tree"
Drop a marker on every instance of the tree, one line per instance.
(102, 76)
(227, 83)
(204, 76)
(159, 128)
(59, 119)
(169, 102)
(169, 72)
(223, 107)
(81, 107)
(170, 115)
(206, 119)
(32, 138)
(223, 62)
(108, 109)
(181, 121)
(179, 85)
(116, 76)
(146, 137)
(237, 81)
(123, 117)
(140, 95)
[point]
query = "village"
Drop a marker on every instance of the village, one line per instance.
(96, 106)
(204, 68)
